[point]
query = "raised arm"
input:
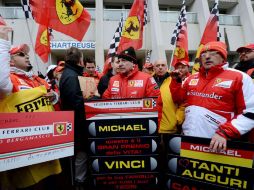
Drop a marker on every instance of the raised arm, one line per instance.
(5, 81)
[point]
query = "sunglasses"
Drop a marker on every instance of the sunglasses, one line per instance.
(246, 51)
(21, 54)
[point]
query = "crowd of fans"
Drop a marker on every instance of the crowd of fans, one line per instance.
(216, 103)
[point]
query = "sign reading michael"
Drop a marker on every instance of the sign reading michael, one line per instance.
(123, 143)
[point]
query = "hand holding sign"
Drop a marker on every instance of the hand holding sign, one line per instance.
(218, 143)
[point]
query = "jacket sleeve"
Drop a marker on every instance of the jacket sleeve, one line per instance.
(177, 91)
(243, 122)
(152, 89)
(180, 114)
(107, 94)
(5, 81)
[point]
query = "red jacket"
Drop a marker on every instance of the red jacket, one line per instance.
(22, 82)
(136, 85)
(220, 100)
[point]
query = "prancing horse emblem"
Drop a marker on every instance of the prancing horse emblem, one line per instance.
(68, 10)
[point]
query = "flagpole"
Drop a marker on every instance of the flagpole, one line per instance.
(31, 39)
(172, 57)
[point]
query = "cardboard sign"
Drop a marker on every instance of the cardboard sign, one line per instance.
(123, 127)
(148, 181)
(88, 87)
(123, 146)
(125, 164)
(31, 138)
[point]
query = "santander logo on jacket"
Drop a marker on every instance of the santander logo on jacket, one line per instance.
(220, 97)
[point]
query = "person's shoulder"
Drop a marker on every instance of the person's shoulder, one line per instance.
(144, 75)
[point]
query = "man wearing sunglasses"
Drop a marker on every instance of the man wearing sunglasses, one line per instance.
(219, 99)
(16, 76)
(246, 56)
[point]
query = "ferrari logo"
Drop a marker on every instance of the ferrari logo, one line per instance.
(147, 103)
(131, 28)
(68, 10)
(218, 80)
(60, 128)
(131, 83)
(179, 53)
(44, 38)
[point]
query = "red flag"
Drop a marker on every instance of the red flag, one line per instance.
(2, 22)
(181, 50)
(211, 30)
(107, 65)
(211, 33)
(66, 16)
(42, 45)
(132, 34)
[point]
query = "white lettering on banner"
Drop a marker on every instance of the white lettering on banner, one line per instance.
(228, 152)
(68, 44)
(204, 95)
(120, 104)
(26, 131)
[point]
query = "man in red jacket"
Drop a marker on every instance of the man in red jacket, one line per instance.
(219, 99)
(131, 83)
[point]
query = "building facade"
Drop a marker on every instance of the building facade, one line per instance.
(236, 24)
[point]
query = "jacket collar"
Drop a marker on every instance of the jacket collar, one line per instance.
(17, 71)
(133, 72)
(76, 68)
(213, 71)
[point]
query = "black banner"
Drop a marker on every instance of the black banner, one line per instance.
(123, 127)
(144, 181)
(123, 146)
(180, 183)
(210, 172)
(125, 164)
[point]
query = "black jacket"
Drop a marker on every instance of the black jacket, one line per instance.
(159, 80)
(103, 83)
(72, 99)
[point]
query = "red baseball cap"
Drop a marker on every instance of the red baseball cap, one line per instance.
(247, 47)
(186, 63)
(19, 48)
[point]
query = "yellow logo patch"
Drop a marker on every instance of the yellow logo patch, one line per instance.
(179, 52)
(131, 28)
(44, 38)
(68, 10)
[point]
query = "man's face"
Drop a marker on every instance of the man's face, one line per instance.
(210, 59)
(21, 61)
(246, 55)
(115, 65)
(183, 69)
(90, 68)
(125, 67)
(160, 67)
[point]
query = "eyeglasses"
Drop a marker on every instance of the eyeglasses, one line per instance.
(211, 53)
